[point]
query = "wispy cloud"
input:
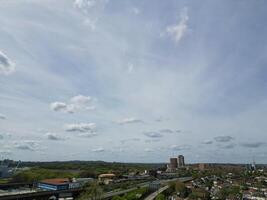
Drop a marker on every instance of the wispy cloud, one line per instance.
(207, 142)
(87, 135)
(152, 140)
(91, 48)
(53, 136)
(6, 65)
(227, 146)
(5, 153)
(130, 140)
(2, 116)
(177, 31)
(98, 150)
(80, 127)
(76, 103)
(223, 138)
(148, 150)
(87, 7)
(26, 145)
(85, 4)
(179, 147)
(166, 131)
(130, 120)
(61, 106)
(91, 23)
(135, 10)
(253, 144)
(153, 134)
(130, 68)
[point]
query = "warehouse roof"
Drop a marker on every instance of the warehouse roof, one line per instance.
(56, 181)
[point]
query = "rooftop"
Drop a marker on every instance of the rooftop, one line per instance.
(56, 181)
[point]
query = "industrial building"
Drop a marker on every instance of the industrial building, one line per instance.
(63, 183)
(54, 184)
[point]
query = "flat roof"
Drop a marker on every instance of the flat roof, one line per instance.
(55, 181)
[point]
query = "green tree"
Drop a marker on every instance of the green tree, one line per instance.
(181, 189)
(161, 197)
(233, 191)
(118, 198)
(93, 192)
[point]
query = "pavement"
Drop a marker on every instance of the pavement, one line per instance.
(162, 189)
(155, 194)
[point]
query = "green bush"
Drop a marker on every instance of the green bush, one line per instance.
(161, 197)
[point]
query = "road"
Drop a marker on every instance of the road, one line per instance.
(162, 189)
(155, 194)
(162, 182)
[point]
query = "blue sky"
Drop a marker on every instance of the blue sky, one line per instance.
(133, 81)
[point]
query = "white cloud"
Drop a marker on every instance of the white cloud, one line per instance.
(148, 150)
(6, 65)
(95, 63)
(60, 106)
(90, 9)
(135, 10)
(26, 145)
(76, 103)
(130, 140)
(99, 149)
(152, 140)
(80, 100)
(129, 121)
(223, 138)
(81, 127)
(2, 116)
(153, 134)
(84, 4)
(1, 137)
(166, 131)
(23, 147)
(207, 142)
(5, 152)
(87, 135)
(130, 68)
(253, 144)
(180, 147)
(53, 136)
(177, 31)
(89, 6)
(91, 23)
(227, 146)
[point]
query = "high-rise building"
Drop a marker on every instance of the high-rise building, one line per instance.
(181, 161)
(173, 163)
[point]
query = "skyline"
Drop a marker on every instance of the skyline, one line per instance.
(133, 81)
